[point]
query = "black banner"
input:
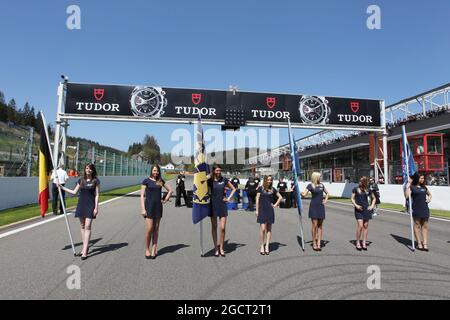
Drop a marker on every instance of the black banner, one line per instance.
(185, 105)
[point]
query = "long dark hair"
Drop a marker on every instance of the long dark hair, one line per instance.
(364, 184)
(93, 174)
(266, 185)
(216, 166)
(416, 178)
(158, 179)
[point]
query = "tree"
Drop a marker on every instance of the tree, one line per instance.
(32, 118)
(3, 112)
(151, 149)
(166, 158)
(135, 148)
(2, 98)
(11, 112)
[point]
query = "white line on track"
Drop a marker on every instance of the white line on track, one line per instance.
(34, 225)
(387, 210)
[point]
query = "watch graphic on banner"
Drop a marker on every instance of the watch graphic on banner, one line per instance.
(148, 102)
(314, 110)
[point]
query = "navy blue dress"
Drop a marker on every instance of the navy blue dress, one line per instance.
(86, 200)
(218, 206)
(153, 205)
(316, 207)
(266, 213)
(363, 199)
(420, 208)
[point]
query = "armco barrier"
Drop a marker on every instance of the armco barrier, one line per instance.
(19, 191)
(390, 193)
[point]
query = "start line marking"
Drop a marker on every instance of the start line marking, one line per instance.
(4, 235)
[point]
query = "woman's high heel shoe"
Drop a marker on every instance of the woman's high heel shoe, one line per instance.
(262, 251)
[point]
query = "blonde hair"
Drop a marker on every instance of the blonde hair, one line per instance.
(315, 178)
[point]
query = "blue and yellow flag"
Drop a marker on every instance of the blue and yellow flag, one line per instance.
(295, 169)
(408, 164)
(201, 198)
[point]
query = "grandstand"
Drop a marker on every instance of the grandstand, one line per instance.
(347, 155)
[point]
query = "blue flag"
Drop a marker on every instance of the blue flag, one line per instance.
(295, 169)
(408, 164)
(201, 198)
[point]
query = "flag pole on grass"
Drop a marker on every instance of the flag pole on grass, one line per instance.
(46, 156)
(295, 174)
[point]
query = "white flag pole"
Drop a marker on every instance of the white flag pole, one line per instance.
(201, 237)
(293, 153)
(301, 232)
(407, 155)
(55, 174)
(197, 146)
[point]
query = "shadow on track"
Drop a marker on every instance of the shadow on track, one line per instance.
(228, 247)
(96, 250)
(91, 243)
(171, 249)
(274, 246)
(353, 242)
(406, 242)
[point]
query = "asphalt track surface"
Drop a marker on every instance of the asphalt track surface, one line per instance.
(34, 262)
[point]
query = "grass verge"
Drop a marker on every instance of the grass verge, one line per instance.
(13, 215)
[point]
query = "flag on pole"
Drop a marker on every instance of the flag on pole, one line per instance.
(45, 167)
(408, 164)
(409, 168)
(201, 198)
(295, 174)
(295, 169)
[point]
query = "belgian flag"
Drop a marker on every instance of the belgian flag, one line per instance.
(45, 167)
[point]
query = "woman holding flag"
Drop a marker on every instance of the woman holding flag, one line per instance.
(217, 185)
(421, 196)
(265, 213)
(87, 207)
(152, 207)
(363, 211)
(316, 208)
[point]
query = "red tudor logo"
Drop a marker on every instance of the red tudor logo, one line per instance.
(98, 94)
(271, 102)
(354, 106)
(196, 98)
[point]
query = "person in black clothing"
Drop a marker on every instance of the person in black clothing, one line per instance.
(364, 201)
(294, 201)
(421, 196)
(282, 186)
(257, 181)
(152, 208)
(235, 182)
(181, 190)
(250, 188)
(373, 187)
(218, 184)
(282, 189)
(316, 208)
(267, 199)
(87, 207)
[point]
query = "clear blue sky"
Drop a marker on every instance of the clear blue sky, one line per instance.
(316, 47)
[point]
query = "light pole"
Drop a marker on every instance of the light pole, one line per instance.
(76, 148)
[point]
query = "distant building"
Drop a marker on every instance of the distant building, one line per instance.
(168, 166)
